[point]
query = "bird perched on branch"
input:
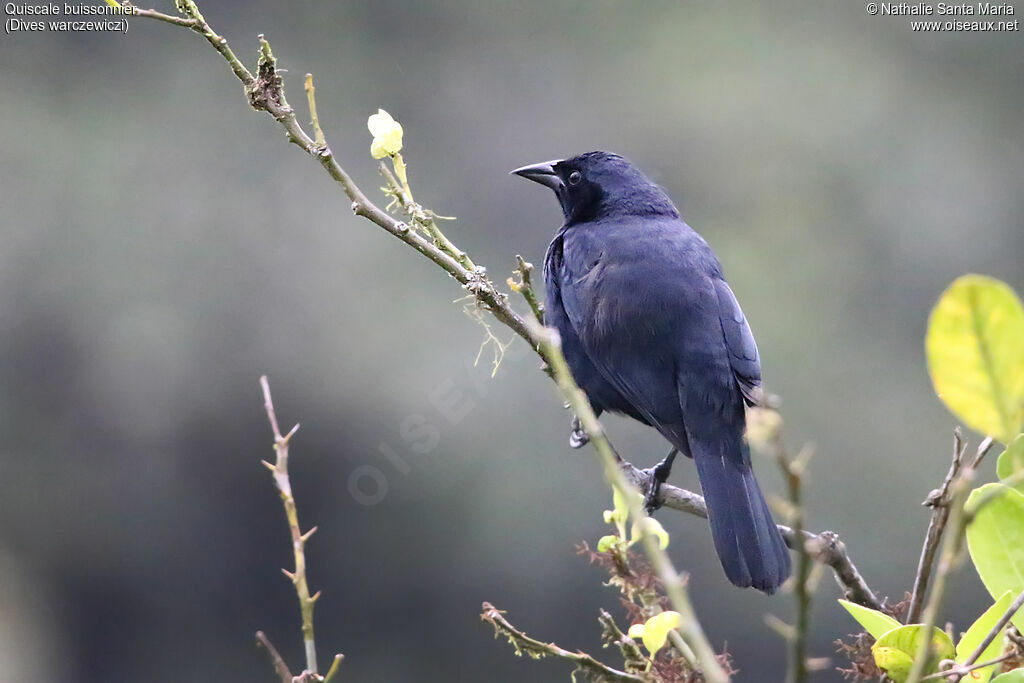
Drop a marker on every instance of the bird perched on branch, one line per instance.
(651, 329)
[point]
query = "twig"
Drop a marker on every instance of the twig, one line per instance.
(537, 649)
(631, 654)
(994, 631)
(792, 470)
(318, 133)
(825, 547)
(266, 94)
(938, 501)
(959, 490)
(333, 671)
(280, 668)
(955, 673)
(984, 447)
(298, 577)
(524, 286)
(690, 628)
(422, 217)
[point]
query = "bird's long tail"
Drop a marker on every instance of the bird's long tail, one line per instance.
(748, 543)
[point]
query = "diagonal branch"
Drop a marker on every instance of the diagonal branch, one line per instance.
(538, 649)
(996, 628)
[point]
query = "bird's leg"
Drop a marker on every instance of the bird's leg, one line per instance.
(658, 475)
(579, 437)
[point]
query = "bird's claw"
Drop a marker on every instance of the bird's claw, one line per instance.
(578, 438)
(656, 476)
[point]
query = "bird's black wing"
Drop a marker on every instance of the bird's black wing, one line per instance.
(743, 356)
(652, 313)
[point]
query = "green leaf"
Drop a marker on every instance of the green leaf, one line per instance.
(874, 622)
(894, 652)
(654, 631)
(605, 543)
(995, 539)
(977, 632)
(894, 662)
(1015, 676)
(649, 525)
(1011, 461)
(975, 350)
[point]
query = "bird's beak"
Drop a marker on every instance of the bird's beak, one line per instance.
(543, 173)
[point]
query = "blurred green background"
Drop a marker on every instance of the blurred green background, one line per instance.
(163, 246)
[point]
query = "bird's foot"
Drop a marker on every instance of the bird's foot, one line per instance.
(656, 476)
(578, 438)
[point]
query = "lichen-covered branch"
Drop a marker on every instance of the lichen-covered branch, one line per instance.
(595, 670)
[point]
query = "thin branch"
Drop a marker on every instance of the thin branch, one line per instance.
(537, 649)
(825, 547)
(524, 286)
(792, 470)
(994, 631)
(298, 577)
(631, 654)
(266, 93)
(955, 673)
(333, 671)
(959, 490)
(166, 18)
(318, 133)
(280, 668)
(938, 500)
(690, 628)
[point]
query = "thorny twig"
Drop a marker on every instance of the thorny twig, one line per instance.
(279, 468)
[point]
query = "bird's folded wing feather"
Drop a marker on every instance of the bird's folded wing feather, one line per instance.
(743, 356)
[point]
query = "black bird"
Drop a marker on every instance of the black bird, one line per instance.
(650, 328)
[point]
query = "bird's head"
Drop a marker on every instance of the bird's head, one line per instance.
(599, 184)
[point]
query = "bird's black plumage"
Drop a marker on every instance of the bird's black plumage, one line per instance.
(650, 328)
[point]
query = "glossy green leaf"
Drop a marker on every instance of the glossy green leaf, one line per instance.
(995, 539)
(976, 634)
(605, 543)
(975, 350)
(876, 623)
(1015, 676)
(894, 652)
(1011, 461)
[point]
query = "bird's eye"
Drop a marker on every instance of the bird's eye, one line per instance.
(575, 177)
